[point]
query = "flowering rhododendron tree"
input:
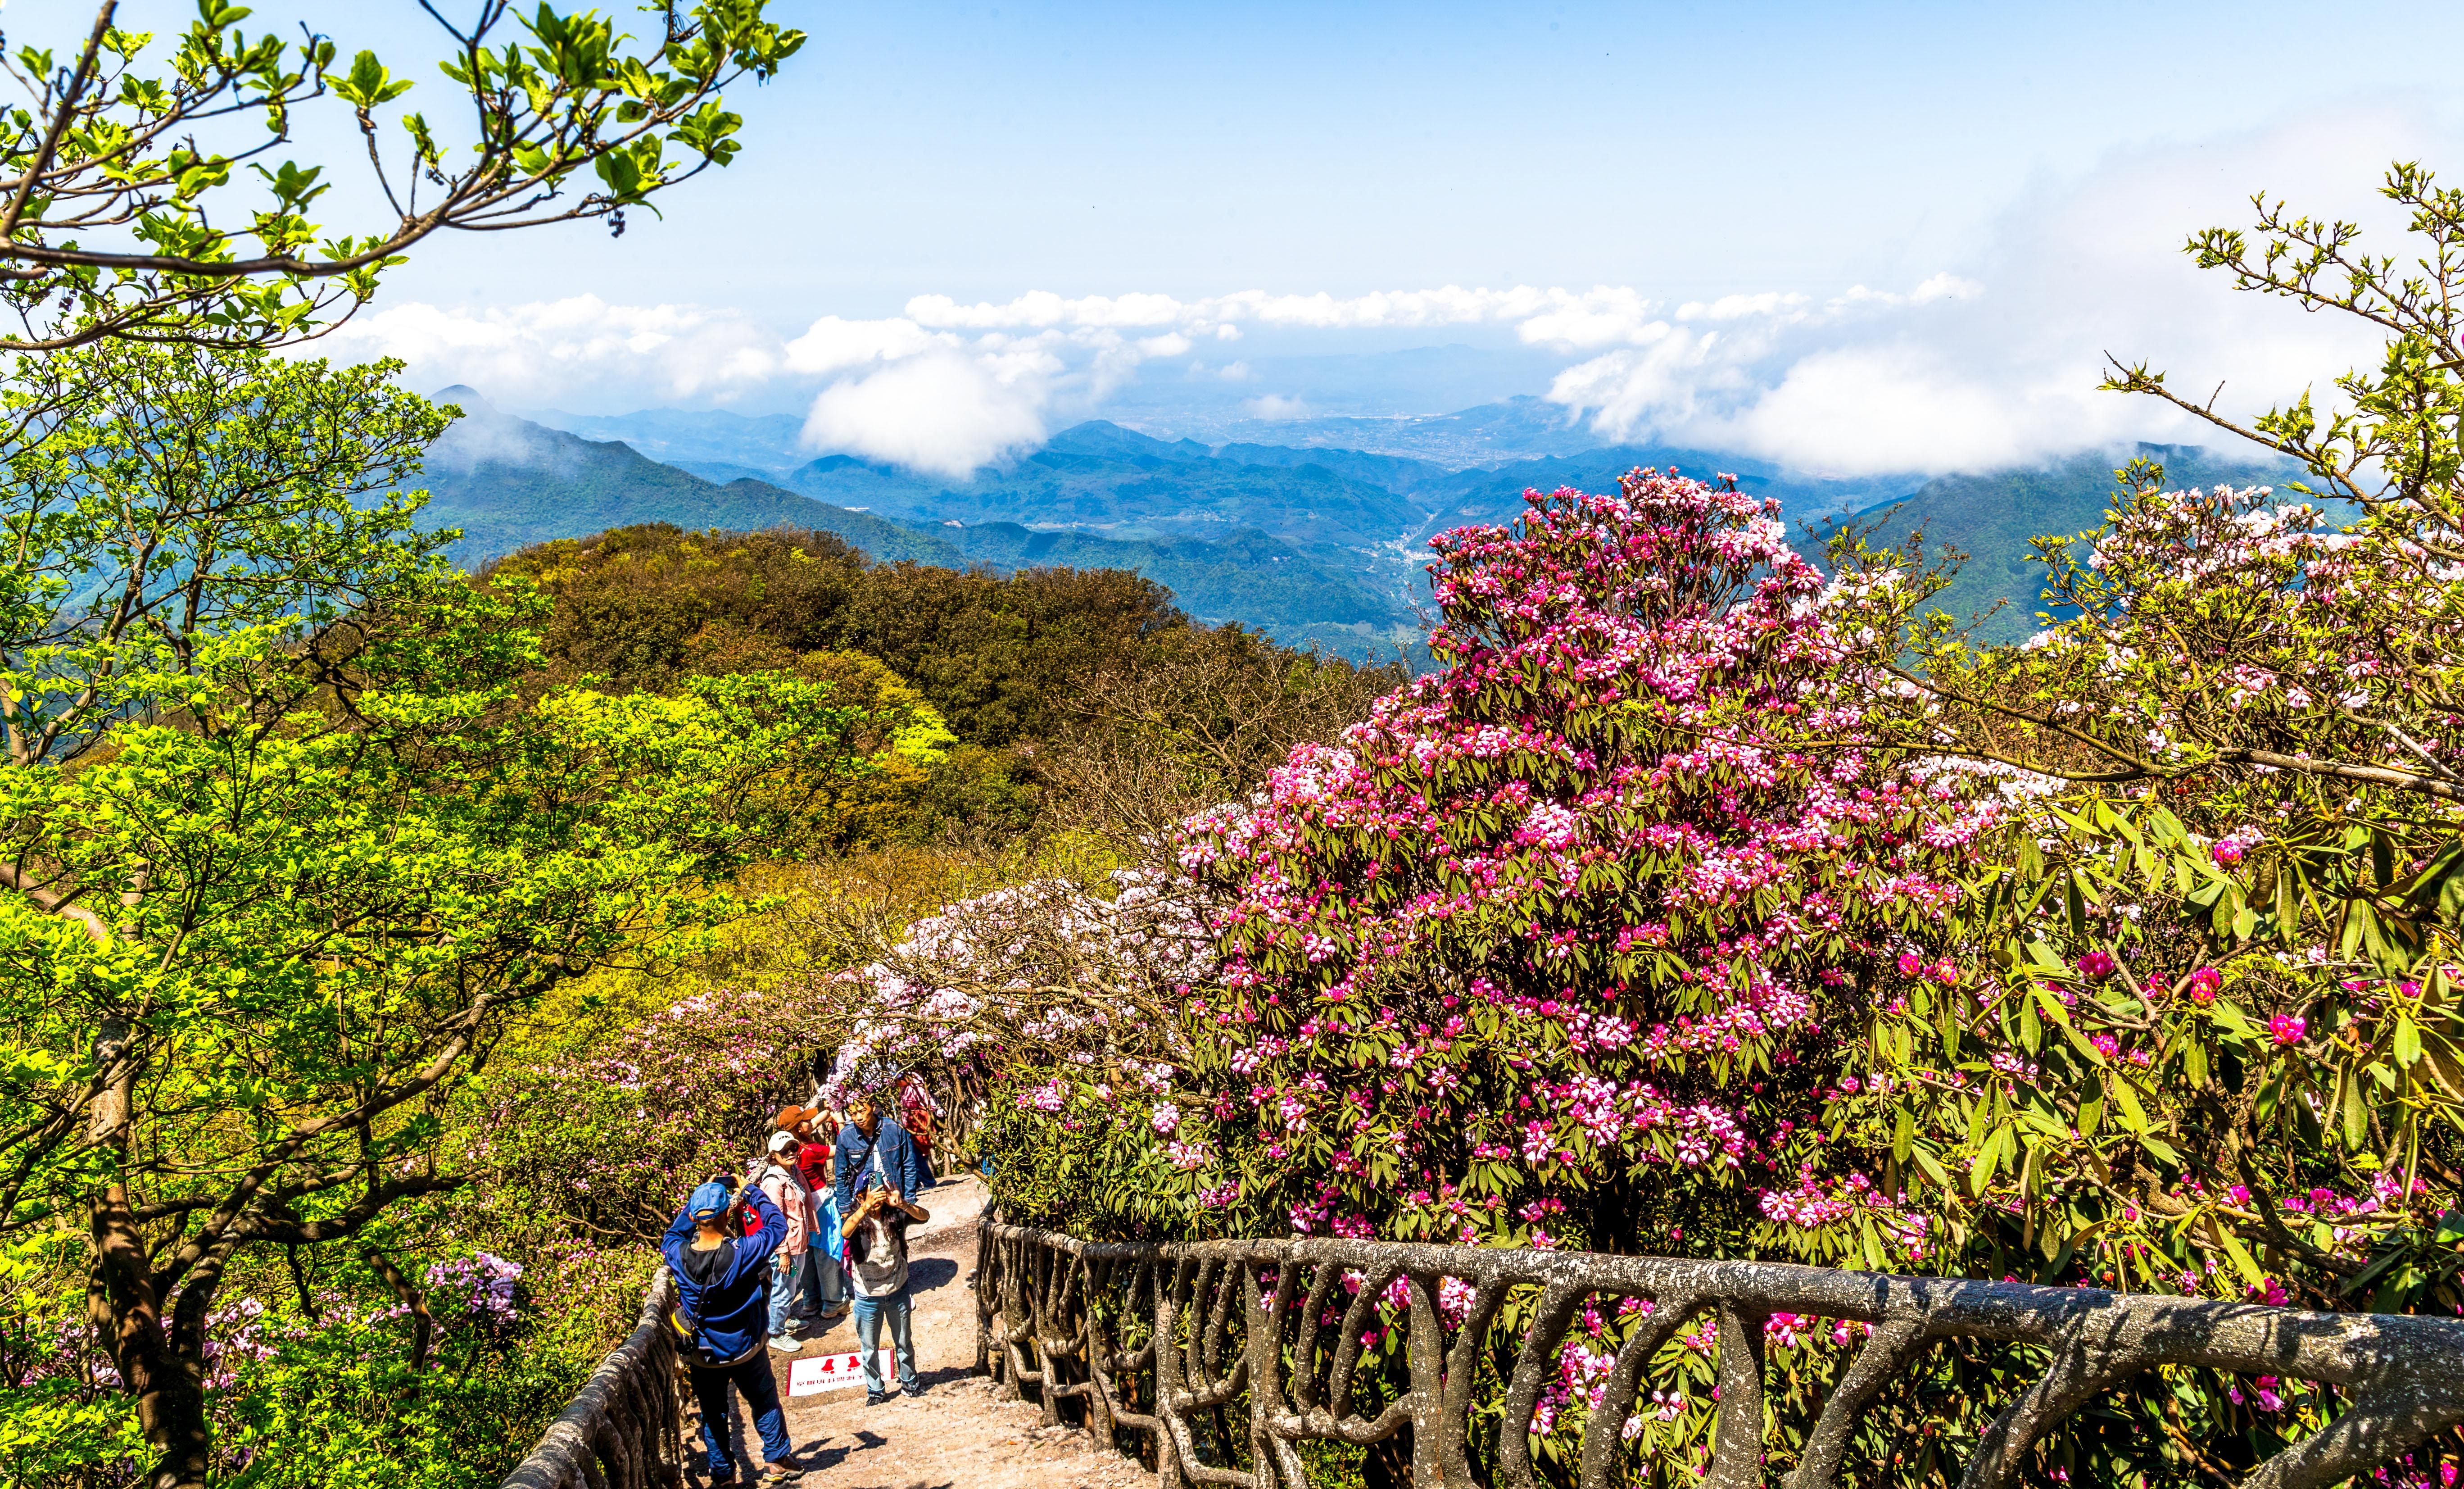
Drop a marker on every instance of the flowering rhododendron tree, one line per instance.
(1567, 944)
(1561, 945)
(1019, 978)
(2244, 912)
(2220, 1017)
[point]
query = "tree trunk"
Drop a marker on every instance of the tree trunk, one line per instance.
(168, 1384)
(162, 1368)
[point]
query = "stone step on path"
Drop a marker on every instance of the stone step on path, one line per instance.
(957, 1436)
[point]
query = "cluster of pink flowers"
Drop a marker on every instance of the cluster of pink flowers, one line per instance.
(1593, 820)
(481, 1283)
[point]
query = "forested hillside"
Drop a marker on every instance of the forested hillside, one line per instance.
(1010, 665)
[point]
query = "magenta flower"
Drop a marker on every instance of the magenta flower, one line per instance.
(2285, 1029)
(2205, 984)
(2096, 964)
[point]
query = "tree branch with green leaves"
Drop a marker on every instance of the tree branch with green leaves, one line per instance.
(151, 195)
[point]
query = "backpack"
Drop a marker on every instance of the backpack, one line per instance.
(687, 1325)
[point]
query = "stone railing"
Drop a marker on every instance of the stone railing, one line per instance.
(2400, 1376)
(625, 1429)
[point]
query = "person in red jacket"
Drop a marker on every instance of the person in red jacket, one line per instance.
(822, 1287)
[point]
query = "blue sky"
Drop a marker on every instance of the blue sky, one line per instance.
(1940, 208)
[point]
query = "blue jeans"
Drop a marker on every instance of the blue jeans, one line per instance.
(870, 1313)
(824, 1284)
(751, 1377)
(786, 1272)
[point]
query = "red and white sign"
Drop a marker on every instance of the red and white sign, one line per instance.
(818, 1374)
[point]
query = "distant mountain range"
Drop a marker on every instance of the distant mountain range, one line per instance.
(1309, 541)
(507, 482)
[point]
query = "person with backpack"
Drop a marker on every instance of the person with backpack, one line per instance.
(723, 1307)
(876, 1249)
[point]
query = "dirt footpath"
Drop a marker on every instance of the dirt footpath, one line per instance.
(957, 1436)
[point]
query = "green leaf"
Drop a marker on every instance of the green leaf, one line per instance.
(2239, 1255)
(2126, 1106)
(2408, 1039)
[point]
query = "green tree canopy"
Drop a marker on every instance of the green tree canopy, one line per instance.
(293, 841)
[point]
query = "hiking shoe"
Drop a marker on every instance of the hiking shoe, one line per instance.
(785, 1345)
(875, 1398)
(914, 1392)
(776, 1469)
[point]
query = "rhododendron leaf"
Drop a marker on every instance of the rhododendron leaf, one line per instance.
(2091, 1111)
(2438, 889)
(2074, 902)
(1931, 1166)
(2042, 997)
(2408, 1039)
(2126, 1109)
(2355, 1108)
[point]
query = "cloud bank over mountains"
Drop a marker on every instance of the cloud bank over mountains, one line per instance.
(1993, 362)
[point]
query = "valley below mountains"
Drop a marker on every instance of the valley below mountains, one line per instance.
(1310, 543)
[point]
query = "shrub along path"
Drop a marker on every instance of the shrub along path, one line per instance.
(957, 1436)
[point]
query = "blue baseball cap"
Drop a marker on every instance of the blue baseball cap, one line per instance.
(710, 1201)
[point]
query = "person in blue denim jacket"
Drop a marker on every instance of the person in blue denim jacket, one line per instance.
(873, 1149)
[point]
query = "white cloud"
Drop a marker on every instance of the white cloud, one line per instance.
(1997, 364)
(576, 350)
(942, 412)
(831, 345)
(1992, 360)
(1276, 408)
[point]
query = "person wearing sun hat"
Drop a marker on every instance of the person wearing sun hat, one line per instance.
(784, 1187)
(824, 1285)
(721, 1315)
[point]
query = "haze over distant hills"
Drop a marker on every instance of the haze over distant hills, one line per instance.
(1306, 538)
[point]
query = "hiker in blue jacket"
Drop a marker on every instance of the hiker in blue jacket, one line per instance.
(871, 1139)
(723, 1313)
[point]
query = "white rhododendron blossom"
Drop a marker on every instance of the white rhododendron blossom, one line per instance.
(1045, 964)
